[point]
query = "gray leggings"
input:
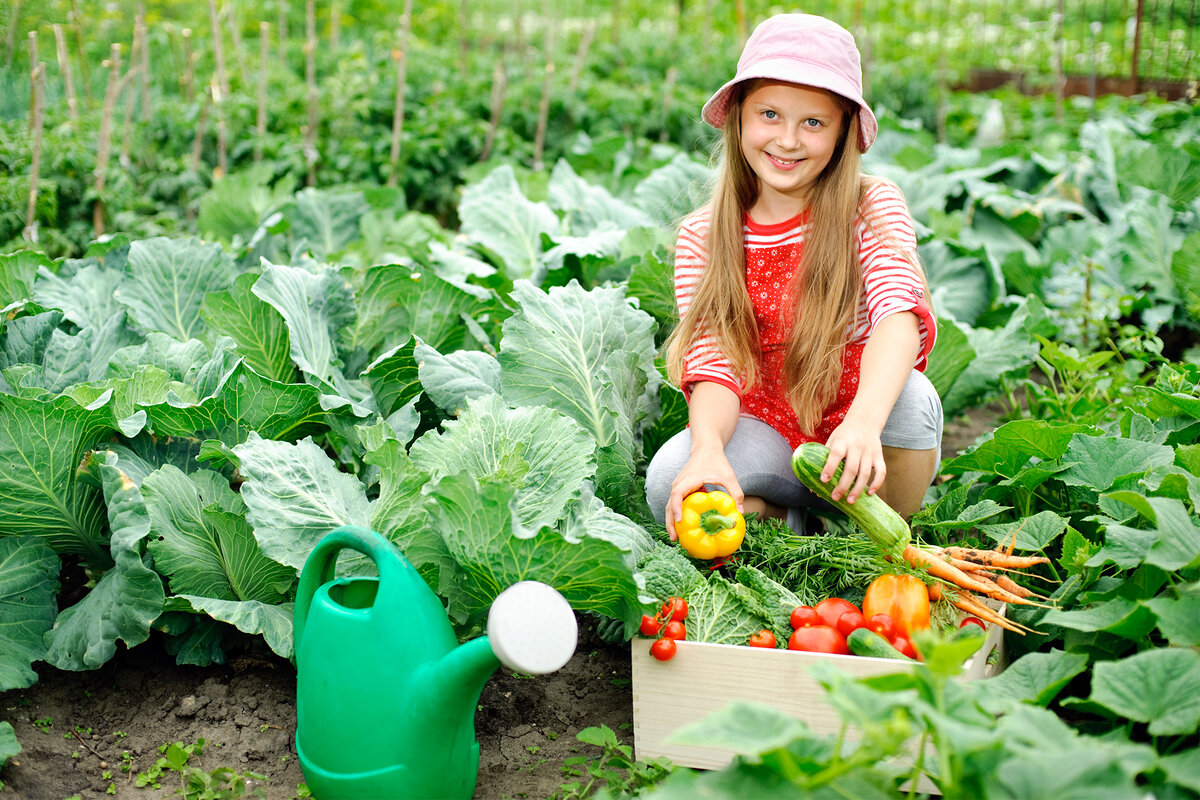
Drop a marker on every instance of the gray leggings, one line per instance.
(762, 459)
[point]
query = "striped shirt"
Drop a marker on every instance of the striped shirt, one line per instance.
(890, 285)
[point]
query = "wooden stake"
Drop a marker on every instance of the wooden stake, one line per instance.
(187, 80)
(142, 41)
(400, 54)
(581, 55)
(499, 89)
(260, 127)
(38, 90)
(33, 64)
(64, 67)
(113, 63)
(310, 79)
(10, 38)
(743, 34)
(218, 51)
(84, 70)
(222, 145)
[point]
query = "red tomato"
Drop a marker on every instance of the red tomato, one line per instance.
(650, 625)
(674, 630)
(804, 616)
(676, 608)
(902, 644)
(849, 622)
(818, 639)
(763, 638)
(883, 625)
(830, 610)
(663, 649)
(972, 621)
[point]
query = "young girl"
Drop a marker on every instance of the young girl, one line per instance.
(804, 313)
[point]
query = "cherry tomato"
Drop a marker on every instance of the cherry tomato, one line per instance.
(650, 625)
(663, 649)
(902, 644)
(972, 621)
(818, 639)
(674, 630)
(830, 610)
(763, 638)
(676, 608)
(849, 622)
(803, 616)
(883, 625)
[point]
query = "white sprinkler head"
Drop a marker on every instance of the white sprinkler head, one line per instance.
(532, 628)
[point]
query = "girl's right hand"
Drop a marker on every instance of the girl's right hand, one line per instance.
(700, 469)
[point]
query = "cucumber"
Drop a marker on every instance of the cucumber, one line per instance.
(876, 518)
(866, 642)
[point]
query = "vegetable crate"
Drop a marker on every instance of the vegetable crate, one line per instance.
(665, 692)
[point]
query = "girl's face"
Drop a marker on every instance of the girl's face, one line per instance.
(789, 134)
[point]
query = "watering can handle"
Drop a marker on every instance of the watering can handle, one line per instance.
(322, 561)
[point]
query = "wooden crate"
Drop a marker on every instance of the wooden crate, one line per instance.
(668, 695)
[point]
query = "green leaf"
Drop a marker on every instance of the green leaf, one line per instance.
(273, 621)
(166, 281)
(326, 219)
(495, 215)
(1161, 687)
(1033, 533)
(952, 354)
(243, 402)
(41, 444)
(1122, 617)
(87, 297)
(257, 327)
(491, 550)
(315, 307)
(1181, 768)
(126, 600)
(399, 511)
(9, 746)
(294, 495)
(28, 590)
(1100, 461)
(1013, 444)
(1077, 549)
(18, 274)
(203, 544)
(673, 190)
(236, 204)
(451, 380)
(394, 377)
(721, 614)
(743, 727)
(588, 207)
(1176, 544)
(1036, 677)
(543, 455)
(667, 573)
(1177, 618)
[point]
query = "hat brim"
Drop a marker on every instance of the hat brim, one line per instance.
(801, 71)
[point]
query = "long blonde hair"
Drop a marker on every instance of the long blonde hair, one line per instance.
(825, 288)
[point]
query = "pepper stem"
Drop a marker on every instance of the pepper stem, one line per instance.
(714, 522)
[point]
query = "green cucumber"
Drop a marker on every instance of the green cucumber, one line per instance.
(876, 518)
(866, 642)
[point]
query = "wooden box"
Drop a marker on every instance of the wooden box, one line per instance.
(668, 695)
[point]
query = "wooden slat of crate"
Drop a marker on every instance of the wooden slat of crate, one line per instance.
(702, 677)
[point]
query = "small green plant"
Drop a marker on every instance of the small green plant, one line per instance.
(126, 761)
(119, 734)
(44, 724)
(614, 769)
(222, 783)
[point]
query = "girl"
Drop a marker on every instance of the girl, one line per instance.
(804, 313)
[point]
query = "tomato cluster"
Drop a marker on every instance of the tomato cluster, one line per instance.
(823, 628)
(667, 625)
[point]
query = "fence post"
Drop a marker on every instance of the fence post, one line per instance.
(400, 54)
(38, 89)
(1134, 77)
(64, 67)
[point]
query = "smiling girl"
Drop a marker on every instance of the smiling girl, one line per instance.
(804, 313)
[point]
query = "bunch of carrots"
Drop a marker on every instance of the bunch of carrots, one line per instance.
(971, 572)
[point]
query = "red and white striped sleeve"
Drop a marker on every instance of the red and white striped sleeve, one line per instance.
(891, 277)
(703, 361)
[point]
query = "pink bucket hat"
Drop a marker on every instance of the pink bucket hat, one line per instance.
(804, 49)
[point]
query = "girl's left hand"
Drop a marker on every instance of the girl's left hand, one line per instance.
(861, 450)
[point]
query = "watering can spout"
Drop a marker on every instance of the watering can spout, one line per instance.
(451, 685)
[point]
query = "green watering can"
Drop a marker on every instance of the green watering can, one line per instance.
(385, 694)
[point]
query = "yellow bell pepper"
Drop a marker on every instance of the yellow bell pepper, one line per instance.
(711, 526)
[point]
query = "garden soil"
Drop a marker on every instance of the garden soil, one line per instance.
(91, 734)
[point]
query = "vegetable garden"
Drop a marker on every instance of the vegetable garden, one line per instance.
(418, 284)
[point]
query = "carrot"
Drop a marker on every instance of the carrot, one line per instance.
(994, 558)
(1009, 585)
(948, 572)
(998, 592)
(936, 591)
(967, 602)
